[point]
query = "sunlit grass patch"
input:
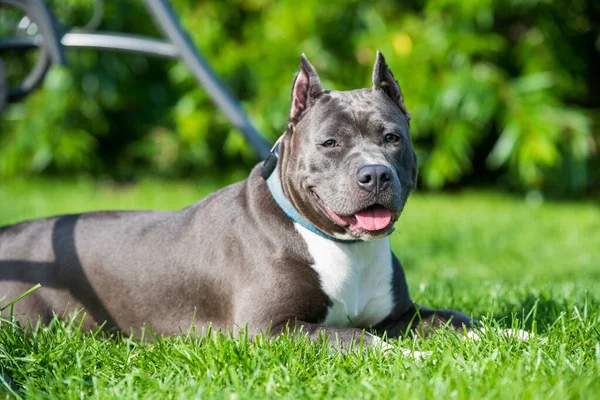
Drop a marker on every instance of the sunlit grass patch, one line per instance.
(508, 263)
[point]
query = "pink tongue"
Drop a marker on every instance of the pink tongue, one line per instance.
(373, 219)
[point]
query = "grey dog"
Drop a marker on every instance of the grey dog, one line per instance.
(302, 243)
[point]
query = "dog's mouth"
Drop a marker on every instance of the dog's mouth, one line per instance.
(371, 219)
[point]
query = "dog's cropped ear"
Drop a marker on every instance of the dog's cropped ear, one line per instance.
(306, 89)
(383, 78)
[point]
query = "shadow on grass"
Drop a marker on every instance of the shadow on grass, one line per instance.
(540, 313)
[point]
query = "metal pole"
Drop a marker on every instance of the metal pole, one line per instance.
(169, 24)
(120, 42)
(3, 89)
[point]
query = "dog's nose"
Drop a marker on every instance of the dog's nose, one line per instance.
(374, 178)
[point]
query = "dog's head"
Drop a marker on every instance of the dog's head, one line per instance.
(347, 162)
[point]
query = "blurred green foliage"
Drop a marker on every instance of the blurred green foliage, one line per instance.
(502, 92)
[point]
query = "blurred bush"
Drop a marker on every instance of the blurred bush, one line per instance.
(503, 92)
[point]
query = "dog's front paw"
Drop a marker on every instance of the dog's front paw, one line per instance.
(509, 333)
(378, 343)
(416, 355)
(382, 345)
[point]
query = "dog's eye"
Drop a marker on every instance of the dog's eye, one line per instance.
(391, 138)
(329, 143)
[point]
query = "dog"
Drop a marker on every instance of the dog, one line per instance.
(302, 243)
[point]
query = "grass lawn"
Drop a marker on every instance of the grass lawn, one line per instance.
(500, 258)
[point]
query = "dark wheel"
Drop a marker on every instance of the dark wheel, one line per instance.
(28, 45)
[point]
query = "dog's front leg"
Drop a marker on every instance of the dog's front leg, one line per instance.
(409, 317)
(424, 321)
(338, 337)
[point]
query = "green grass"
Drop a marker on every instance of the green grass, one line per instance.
(508, 262)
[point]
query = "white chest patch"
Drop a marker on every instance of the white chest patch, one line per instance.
(357, 277)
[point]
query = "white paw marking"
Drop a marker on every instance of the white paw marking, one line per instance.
(509, 333)
(416, 355)
(519, 334)
(380, 344)
(384, 346)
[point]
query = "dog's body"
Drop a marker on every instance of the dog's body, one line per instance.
(308, 248)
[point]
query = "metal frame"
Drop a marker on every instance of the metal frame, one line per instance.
(52, 42)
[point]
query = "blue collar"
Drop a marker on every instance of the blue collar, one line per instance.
(274, 185)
